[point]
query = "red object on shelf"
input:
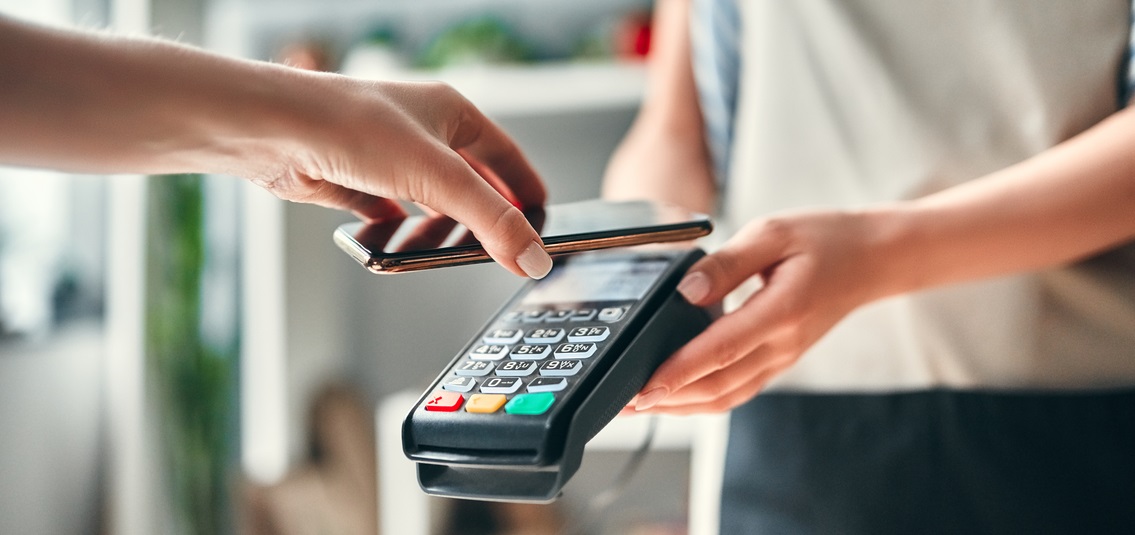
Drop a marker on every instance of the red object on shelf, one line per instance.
(633, 36)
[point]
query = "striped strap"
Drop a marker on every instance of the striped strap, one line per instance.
(715, 33)
(1129, 87)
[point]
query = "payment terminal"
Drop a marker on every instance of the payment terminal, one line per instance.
(508, 418)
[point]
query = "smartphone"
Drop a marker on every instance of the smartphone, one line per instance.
(421, 242)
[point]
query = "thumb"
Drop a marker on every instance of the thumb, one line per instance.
(748, 253)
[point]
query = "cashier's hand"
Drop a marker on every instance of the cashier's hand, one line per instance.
(815, 268)
(425, 143)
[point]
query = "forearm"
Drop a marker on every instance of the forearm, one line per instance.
(671, 101)
(669, 124)
(98, 103)
(90, 102)
(1062, 205)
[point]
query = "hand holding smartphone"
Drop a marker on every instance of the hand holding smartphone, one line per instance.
(424, 242)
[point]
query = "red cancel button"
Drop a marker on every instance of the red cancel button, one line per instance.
(444, 401)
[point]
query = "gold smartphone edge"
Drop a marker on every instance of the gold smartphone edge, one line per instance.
(390, 267)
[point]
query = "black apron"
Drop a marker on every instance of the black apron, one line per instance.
(931, 462)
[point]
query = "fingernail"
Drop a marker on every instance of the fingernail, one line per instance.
(694, 286)
(651, 398)
(534, 261)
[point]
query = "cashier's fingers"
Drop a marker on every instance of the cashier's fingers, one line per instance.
(726, 341)
(500, 227)
(724, 402)
(758, 247)
(725, 389)
(779, 314)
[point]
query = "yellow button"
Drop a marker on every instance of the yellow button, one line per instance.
(485, 403)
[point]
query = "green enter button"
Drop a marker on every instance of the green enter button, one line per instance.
(533, 404)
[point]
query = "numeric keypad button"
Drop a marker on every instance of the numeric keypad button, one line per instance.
(547, 384)
(530, 352)
(501, 385)
(544, 336)
(589, 334)
(459, 384)
(473, 368)
(502, 336)
(516, 368)
(575, 351)
(488, 352)
(560, 368)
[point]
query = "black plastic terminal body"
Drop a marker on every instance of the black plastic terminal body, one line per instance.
(517, 458)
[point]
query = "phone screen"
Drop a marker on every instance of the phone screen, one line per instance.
(422, 242)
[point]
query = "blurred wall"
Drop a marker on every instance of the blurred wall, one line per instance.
(50, 434)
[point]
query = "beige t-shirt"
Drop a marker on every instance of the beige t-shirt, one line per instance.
(843, 103)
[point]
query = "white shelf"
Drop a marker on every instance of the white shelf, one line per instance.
(517, 90)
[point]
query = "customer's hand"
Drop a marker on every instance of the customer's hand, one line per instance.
(93, 102)
(421, 142)
(815, 267)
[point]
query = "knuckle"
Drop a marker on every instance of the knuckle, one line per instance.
(436, 92)
(440, 89)
(776, 229)
(796, 328)
(791, 312)
(444, 97)
(711, 265)
(292, 187)
(722, 262)
(508, 226)
(415, 185)
(429, 178)
(797, 339)
(722, 358)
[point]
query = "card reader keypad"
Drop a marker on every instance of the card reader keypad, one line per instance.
(527, 358)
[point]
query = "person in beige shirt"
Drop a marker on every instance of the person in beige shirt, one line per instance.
(929, 211)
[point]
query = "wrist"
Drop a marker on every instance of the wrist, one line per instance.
(894, 262)
(262, 121)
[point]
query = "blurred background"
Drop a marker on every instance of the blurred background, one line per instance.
(188, 354)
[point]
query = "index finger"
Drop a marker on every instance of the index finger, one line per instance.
(500, 227)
